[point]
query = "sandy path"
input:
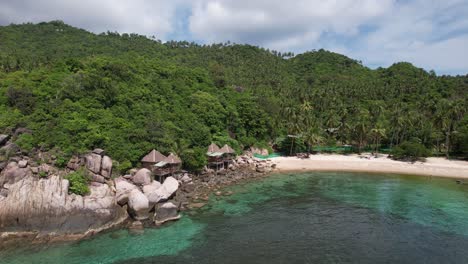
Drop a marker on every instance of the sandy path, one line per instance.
(432, 167)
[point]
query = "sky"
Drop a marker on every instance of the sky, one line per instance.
(432, 34)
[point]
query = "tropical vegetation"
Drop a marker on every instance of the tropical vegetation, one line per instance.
(126, 93)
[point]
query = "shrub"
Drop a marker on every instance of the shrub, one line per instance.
(78, 183)
(410, 151)
(61, 162)
(124, 166)
(25, 142)
(43, 174)
(194, 159)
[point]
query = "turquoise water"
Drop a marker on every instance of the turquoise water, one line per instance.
(295, 218)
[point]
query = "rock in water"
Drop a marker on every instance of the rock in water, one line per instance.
(44, 206)
(166, 212)
(106, 167)
(138, 205)
(93, 162)
(142, 177)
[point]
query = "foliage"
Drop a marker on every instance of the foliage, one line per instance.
(410, 151)
(25, 142)
(194, 159)
(128, 94)
(124, 166)
(78, 183)
(61, 162)
(43, 174)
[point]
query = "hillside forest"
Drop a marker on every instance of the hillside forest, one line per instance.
(66, 90)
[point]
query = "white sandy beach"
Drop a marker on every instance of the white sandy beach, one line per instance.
(440, 167)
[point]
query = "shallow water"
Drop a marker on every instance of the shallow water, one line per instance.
(295, 218)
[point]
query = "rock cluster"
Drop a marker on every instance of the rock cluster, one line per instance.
(145, 196)
(34, 196)
(259, 165)
(98, 165)
(259, 151)
(44, 205)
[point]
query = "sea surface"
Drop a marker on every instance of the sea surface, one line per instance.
(294, 218)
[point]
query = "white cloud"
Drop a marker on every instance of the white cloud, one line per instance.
(429, 34)
(140, 16)
(279, 24)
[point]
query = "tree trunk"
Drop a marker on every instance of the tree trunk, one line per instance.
(292, 144)
(447, 144)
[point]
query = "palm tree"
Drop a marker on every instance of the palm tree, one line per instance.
(313, 137)
(377, 134)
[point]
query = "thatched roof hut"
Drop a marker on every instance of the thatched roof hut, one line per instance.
(213, 148)
(227, 149)
(173, 159)
(153, 157)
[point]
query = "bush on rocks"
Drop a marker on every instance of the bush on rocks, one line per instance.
(78, 183)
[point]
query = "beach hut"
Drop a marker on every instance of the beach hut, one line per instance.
(213, 148)
(170, 165)
(152, 159)
(228, 154)
(215, 157)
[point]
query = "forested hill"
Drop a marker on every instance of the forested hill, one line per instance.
(126, 93)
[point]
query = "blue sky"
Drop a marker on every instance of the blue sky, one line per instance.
(432, 34)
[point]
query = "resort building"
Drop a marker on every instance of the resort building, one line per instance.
(228, 154)
(160, 165)
(219, 158)
(151, 159)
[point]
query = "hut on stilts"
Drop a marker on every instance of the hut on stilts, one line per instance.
(151, 159)
(160, 165)
(228, 155)
(219, 158)
(215, 157)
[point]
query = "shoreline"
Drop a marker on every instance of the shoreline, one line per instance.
(433, 167)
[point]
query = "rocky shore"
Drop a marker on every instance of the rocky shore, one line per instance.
(36, 202)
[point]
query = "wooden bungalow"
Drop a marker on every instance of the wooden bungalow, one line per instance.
(215, 157)
(228, 154)
(170, 165)
(152, 159)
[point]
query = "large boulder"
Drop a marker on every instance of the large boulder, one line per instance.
(3, 139)
(123, 189)
(106, 167)
(142, 177)
(170, 185)
(166, 212)
(45, 206)
(74, 163)
(138, 205)
(13, 173)
(97, 178)
(163, 193)
(93, 162)
(10, 148)
(150, 191)
(168, 188)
